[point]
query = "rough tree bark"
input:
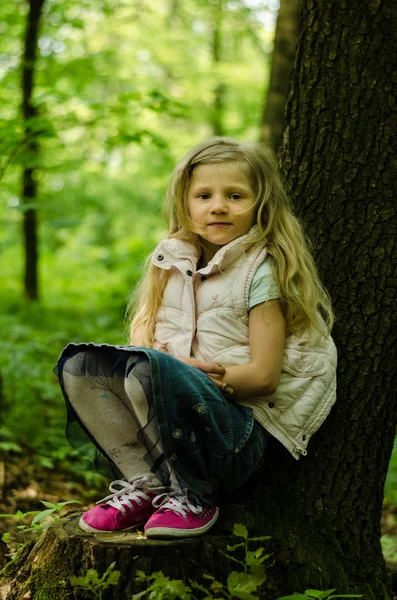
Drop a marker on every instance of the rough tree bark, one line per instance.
(322, 512)
(29, 183)
(283, 55)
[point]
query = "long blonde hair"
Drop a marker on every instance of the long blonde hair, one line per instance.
(302, 296)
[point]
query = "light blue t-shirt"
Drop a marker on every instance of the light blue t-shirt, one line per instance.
(263, 287)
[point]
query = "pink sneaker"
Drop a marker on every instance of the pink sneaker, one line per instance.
(128, 507)
(179, 517)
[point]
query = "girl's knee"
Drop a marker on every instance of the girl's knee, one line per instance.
(76, 364)
(92, 361)
(75, 374)
(137, 393)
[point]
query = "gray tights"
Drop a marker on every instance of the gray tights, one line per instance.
(114, 409)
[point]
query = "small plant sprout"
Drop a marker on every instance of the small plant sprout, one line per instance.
(160, 587)
(19, 516)
(94, 584)
(52, 510)
(242, 584)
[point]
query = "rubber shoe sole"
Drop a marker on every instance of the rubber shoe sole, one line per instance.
(181, 533)
(83, 525)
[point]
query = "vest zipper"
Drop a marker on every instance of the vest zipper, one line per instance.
(300, 451)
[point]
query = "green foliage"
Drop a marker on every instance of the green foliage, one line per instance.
(319, 595)
(389, 547)
(51, 509)
(160, 587)
(391, 480)
(20, 517)
(41, 520)
(242, 585)
(95, 584)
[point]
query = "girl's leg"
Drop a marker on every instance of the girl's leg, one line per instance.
(102, 406)
(138, 389)
(98, 395)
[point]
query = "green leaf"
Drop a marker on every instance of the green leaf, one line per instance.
(346, 596)
(262, 538)
(216, 586)
(113, 578)
(240, 530)
(31, 512)
(92, 576)
(79, 582)
(256, 558)
(42, 515)
(49, 504)
(35, 528)
(110, 576)
(258, 574)
(10, 447)
(197, 586)
(232, 548)
(319, 594)
(241, 585)
(294, 596)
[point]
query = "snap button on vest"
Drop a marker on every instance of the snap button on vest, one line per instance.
(160, 257)
(189, 272)
(271, 404)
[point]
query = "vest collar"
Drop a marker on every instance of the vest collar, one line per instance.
(171, 251)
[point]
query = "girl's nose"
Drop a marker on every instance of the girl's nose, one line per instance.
(219, 204)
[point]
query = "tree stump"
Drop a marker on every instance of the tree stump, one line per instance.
(43, 568)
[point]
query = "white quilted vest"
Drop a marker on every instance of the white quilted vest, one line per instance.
(204, 314)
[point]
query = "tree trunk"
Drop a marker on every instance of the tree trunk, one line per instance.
(286, 36)
(322, 512)
(29, 182)
(219, 90)
(338, 154)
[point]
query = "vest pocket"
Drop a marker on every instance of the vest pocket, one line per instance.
(303, 363)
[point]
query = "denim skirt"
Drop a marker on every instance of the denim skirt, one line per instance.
(213, 444)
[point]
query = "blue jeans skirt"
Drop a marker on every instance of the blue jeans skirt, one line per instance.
(213, 445)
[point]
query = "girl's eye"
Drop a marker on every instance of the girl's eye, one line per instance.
(204, 196)
(235, 196)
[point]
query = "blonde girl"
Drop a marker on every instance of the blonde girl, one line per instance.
(229, 344)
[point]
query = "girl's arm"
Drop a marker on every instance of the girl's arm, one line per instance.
(261, 376)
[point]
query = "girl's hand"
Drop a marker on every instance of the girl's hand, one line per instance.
(222, 384)
(207, 367)
(213, 370)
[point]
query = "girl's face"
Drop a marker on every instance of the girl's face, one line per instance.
(221, 204)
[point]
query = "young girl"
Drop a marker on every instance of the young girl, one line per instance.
(230, 343)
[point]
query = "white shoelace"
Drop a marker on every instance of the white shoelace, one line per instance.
(178, 502)
(124, 492)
